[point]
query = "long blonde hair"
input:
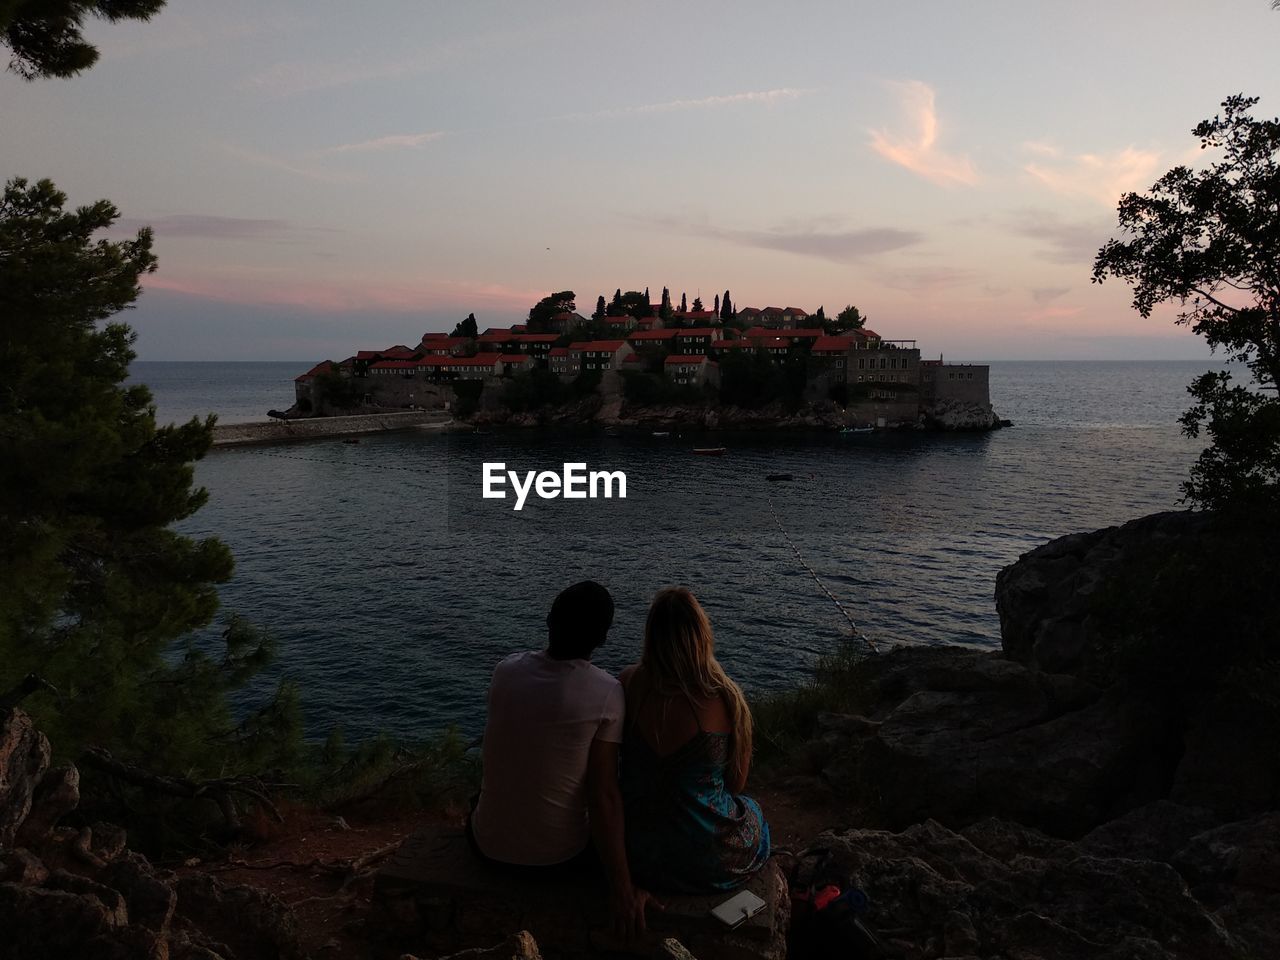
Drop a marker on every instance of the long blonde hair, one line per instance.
(679, 659)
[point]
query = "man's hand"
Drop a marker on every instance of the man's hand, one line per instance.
(627, 907)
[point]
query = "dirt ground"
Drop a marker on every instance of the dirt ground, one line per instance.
(307, 860)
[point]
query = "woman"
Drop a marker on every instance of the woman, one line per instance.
(686, 752)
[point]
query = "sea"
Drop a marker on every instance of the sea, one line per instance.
(393, 587)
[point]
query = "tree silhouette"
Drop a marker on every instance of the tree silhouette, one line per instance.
(45, 36)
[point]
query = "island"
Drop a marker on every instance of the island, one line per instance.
(635, 364)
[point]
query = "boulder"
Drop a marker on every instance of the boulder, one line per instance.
(22, 866)
(56, 795)
(1235, 870)
(957, 735)
(936, 893)
(241, 921)
(24, 757)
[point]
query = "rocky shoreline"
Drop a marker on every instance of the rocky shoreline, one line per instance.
(1041, 801)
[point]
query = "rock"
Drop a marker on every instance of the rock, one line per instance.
(40, 923)
(23, 866)
(1226, 765)
(115, 912)
(1156, 831)
(1235, 870)
(24, 757)
(672, 949)
(959, 735)
(150, 900)
(248, 921)
(56, 795)
(109, 840)
(518, 946)
(948, 414)
(936, 893)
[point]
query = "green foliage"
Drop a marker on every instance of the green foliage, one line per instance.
(585, 383)
(650, 389)
(697, 304)
(726, 308)
(1207, 240)
(337, 391)
(850, 318)
(602, 310)
(754, 379)
(785, 720)
(95, 589)
(467, 328)
(633, 303)
(45, 36)
(466, 397)
(540, 313)
(533, 390)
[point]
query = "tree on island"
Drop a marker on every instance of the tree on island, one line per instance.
(542, 312)
(697, 304)
(820, 317)
(684, 304)
(97, 595)
(467, 328)
(850, 318)
(45, 37)
(601, 309)
(726, 308)
(1209, 240)
(716, 311)
(664, 309)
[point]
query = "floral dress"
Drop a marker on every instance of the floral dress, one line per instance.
(686, 832)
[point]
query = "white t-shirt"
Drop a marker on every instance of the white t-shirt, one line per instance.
(543, 715)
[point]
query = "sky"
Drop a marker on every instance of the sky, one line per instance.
(324, 177)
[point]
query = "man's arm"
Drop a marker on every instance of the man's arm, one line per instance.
(626, 902)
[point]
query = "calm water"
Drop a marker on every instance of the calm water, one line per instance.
(393, 587)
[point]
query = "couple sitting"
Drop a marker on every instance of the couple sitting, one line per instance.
(650, 766)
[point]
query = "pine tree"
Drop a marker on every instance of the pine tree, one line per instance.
(95, 588)
(600, 308)
(697, 304)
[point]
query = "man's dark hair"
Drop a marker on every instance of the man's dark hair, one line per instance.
(579, 621)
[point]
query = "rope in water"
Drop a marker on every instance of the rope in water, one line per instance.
(853, 627)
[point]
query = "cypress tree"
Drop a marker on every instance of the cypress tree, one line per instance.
(716, 311)
(684, 304)
(600, 308)
(726, 307)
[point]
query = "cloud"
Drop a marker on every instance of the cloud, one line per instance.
(1100, 177)
(839, 246)
(208, 226)
(755, 97)
(318, 174)
(390, 142)
(248, 284)
(925, 279)
(1046, 294)
(920, 154)
(1063, 241)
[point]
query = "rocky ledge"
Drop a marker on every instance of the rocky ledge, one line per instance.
(80, 892)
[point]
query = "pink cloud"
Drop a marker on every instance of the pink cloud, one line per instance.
(920, 153)
(1101, 177)
(336, 294)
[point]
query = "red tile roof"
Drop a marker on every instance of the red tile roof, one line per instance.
(690, 358)
(666, 333)
(514, 357)
(758, 333)
(698, 332)
(806, 332)
(833, 344)
(536, 337)
(736, 344)
(559, 351)
(394, 365)
(434, 336)
(598, 346)
(319, 368)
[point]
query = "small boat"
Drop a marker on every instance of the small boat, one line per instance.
(848, 430)
(661, 433)
(779, 476)
(711, 451)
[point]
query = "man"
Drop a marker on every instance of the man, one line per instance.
(551, 745)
